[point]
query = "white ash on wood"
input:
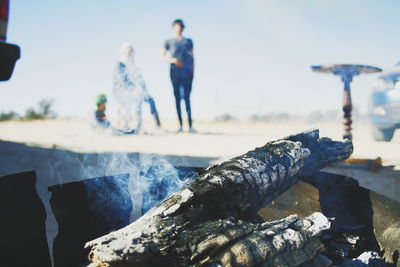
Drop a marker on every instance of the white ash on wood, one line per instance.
(222, 203)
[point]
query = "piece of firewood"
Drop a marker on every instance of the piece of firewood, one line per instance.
(233, 190)
(286, 242)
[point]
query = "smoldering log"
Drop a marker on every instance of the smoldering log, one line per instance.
(232, 192)
(289, 241)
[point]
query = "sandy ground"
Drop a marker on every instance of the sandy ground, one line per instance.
(66, 150)
(65, 142)
(214, 139)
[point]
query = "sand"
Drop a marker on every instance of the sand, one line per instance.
(61, 143)
(214, 139)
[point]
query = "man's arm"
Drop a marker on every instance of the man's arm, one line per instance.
(191, 50)
(168, 59)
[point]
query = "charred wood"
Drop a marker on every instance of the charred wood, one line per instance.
(223, 200)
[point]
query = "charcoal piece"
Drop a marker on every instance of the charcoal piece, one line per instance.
(350, 206)
(85, 210)
(23, 239)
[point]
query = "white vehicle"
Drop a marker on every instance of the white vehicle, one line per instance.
(384, 109)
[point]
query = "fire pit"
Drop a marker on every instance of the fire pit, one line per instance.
(94, 207)
(214, 219)
(334, 195)
(351, 205)
(360, 220)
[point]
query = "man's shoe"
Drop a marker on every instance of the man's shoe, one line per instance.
(192, 130)
(180, 129)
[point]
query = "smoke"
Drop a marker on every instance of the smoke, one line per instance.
(119, 186)
(151, 179)
(158, 181)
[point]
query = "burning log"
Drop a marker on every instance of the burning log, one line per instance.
(284, 242)
(216, 214)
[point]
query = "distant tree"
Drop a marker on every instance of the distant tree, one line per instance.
(6, 116)
(31, 114)
(45, 108)
(283, 116)
(256, 117)
(225, 117)
(322, 116)
(44, 111)
(314, 117)
(273, 117)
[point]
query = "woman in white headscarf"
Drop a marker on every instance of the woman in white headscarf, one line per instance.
(130, 90)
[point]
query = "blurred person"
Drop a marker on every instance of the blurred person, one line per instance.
(101, 118)
(100, 113)
(181, 69)
(130, 90)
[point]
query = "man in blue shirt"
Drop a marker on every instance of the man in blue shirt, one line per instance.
(181, 69)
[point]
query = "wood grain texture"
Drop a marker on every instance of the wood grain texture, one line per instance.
(222, 204)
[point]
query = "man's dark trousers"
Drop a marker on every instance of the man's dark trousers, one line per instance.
(184, 82)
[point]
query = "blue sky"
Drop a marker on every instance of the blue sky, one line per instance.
(252, 56)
